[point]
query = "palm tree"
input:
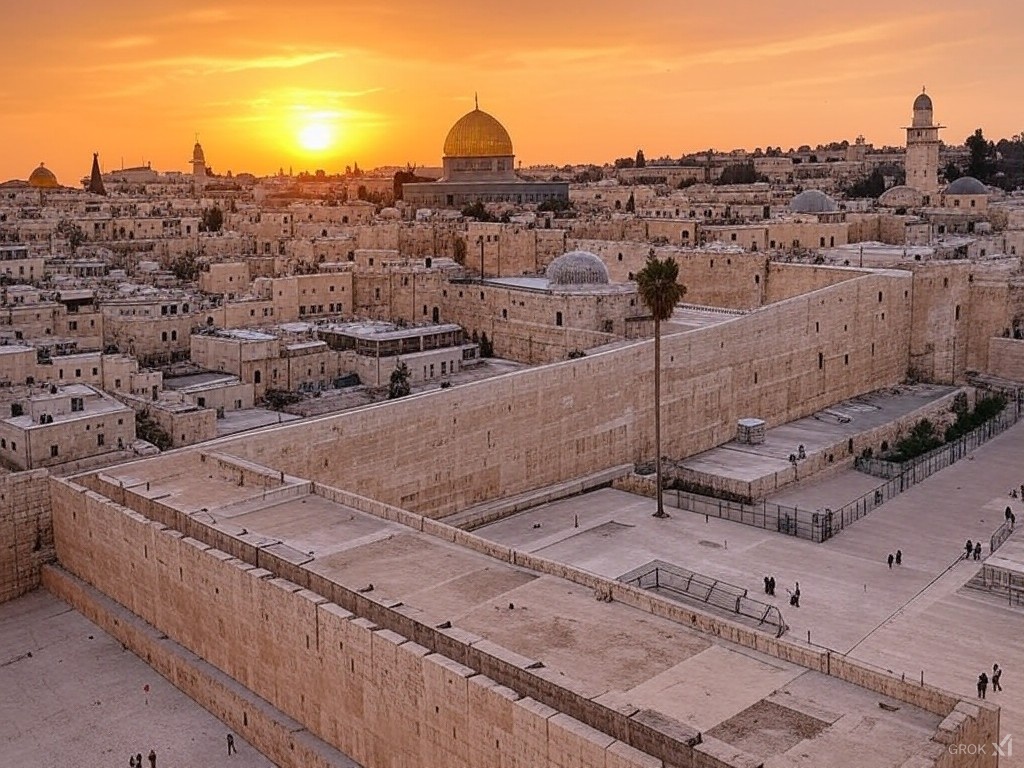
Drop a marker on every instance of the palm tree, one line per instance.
(660, 291)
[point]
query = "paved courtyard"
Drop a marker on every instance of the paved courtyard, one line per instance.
(913, 619)
(70, 695)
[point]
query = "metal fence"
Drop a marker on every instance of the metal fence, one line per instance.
(999, 581)
(659, 576)
(821, 525)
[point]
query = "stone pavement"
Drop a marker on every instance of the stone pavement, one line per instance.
(913, 619)
(80, 700)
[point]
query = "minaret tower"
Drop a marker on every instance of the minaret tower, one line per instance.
(922, 163)
(198, 167)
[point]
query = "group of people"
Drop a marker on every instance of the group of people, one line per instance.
(135, 761)
(972, 549)
(983, 680)
(897, 558)
(794, 594)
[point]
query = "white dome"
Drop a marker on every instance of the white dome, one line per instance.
(577, 268)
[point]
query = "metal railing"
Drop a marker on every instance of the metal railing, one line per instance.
(659, 576)
(917, 469)
(1001, 535)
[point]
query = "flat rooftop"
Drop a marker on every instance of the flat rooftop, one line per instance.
(74, 696)
(698, 679)
(747, 463)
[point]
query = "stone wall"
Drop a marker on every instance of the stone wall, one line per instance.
(345, 674)
(1006, 358)
(543, 426)
(26, 531)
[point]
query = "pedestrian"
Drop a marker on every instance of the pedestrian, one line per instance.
(767, 589)
(152, 757)
(794, 596)
(891, 558)
(969, 548)
(138, 760)
(996, 674)
(771, 586)
(131, 761)
(982, 685)
(899, 557)
(977, 550)
(231, 745)
(1009, 514)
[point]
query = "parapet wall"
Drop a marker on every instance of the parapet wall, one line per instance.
(26, 531)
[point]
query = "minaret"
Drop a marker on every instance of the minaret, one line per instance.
(95, 179)
(198, 167)
(922, 163)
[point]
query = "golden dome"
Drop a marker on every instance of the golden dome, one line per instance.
(43, 178)
(477, 134)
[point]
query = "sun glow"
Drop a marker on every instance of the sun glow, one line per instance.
(316, 137)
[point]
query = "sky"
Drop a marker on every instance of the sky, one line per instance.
(322, 84)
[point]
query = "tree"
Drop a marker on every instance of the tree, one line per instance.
(982, 163)
(399, 385)
(951, 171)
(641, 161)
(739, 173)
(74, 233)
(660, 291)
(186, 267)
(213, 220)
(872, 185)
(486, 346)
(631, 204)
(459, 252)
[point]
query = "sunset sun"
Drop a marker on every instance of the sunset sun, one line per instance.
(315, 137)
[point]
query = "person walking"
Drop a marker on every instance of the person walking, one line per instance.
(968, 549)
(771, 586)
(996, 674)
(899, 557)
(152, 758)
(891, 558)
(231, 745)
(982, 685)
(977, 550)
(767, 590)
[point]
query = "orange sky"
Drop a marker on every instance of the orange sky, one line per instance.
(572, 81)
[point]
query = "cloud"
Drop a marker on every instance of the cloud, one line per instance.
(121, 43)
(211, 65)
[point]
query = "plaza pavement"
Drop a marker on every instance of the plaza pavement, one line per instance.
(914, 619)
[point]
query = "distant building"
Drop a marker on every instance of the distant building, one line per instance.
(479, 166)
(922, 161)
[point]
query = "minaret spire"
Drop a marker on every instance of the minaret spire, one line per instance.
(476, 101)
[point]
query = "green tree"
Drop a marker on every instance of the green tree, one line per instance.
(74, 233)
(641, 161)
(186, 267)
(631, 204)
(486, 346)
(739, 173)
(660, 291)
(872, 185)
(399, 385)
(982, 162)
(213, 220)
(952, 171)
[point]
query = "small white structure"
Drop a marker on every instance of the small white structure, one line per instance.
(750, 431)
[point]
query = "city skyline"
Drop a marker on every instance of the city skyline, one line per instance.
(317, 85)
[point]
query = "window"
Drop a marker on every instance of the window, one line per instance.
(100, 440)
(821, 361)
(174, 335)
(558, 318)
(957, 311)
(117, 383)
(201, 402)
(95, 371)
(77, 404)
(163, 336)
(257, 377)
(53, 451)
